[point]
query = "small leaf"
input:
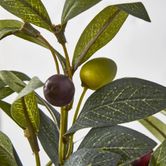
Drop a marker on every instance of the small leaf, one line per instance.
(23, 106)
(121, 101)
(19, 107)
(159, 156)
(5, 107)
(128, 143)
(103, 28)
(30, 11)
(33, 84)
(49, 137)
(92, 157)
(8, 27)
(6, 151)
(155, 126)
(5, 92)
(72, 8)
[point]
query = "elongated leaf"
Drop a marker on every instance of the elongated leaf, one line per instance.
(159, 156)
(103, 28)
(8, 27)
(30, 11)
(121, 101)
(155, 126)
(18, 161)
(49, 137)
(33, 84)
(2, 84)
(19, 107)
(11, 80)
(6, 151)
(26, 32)
(129, 143)
(5, 107)
(5, 91)
(72, 8)
(27, 105)
(89, 157)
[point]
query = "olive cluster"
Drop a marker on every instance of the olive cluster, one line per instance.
(59, 89)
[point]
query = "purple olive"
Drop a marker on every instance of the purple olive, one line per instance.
(59, 90)
(144, 160)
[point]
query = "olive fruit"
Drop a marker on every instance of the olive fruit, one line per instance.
(59, 90)
(143, 161)
(98, 72)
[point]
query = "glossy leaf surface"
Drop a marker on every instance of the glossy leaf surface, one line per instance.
(121, 101)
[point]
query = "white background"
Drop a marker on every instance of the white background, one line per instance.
(139, 51)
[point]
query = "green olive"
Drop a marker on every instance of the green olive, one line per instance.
(98, 72)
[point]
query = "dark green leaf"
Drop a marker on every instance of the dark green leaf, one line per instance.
(49, 137)
(155, 126)
(5, 91)
(72, 8)
(6, 151)
(92, 157)
(30, 11)
(136, 9)
(103, 28)
(21, 75)
(2, 84)
(10, 79)
(18, 161)
(159, 156)
(5, 107)
(121, 101)
(8, 27)
(129, 143)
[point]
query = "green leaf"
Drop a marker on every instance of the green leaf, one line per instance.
(49, 137)
(164, 112)
(128, 143)
(72, 8)
(8, 27)
(92, 157)
(26, 103)
(33, 84)
(5, 107)
(18, 161)
(30, 11)
(5, 91)
(159, 156)
(121, 101)
(10, 79)
(155, 126)
(102, 29)
(6, 151)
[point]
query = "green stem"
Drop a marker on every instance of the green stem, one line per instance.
(49, 163)
(37, 159)
(69, 70)
(31, 134)
(70, 146)
(62, 141)
(53, 53)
